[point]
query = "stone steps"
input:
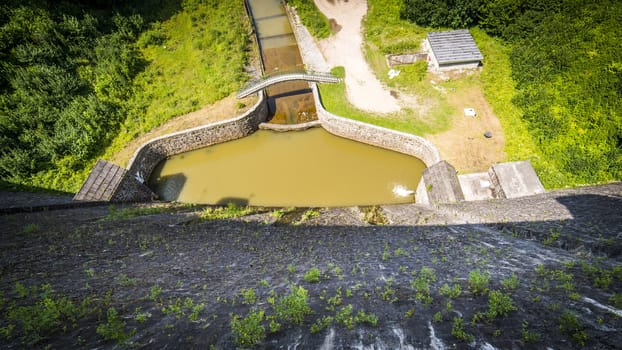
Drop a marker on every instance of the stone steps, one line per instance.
(102, 182)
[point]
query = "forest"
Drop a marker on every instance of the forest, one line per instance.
(566, 60)
(81, 77)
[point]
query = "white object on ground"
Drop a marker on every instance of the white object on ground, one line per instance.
(393, 73)
(470, 112)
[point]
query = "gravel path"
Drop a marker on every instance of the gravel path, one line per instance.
(344, 48)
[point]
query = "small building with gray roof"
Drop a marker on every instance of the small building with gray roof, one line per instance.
(453, 49)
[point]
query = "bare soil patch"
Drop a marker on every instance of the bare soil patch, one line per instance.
(464, 144)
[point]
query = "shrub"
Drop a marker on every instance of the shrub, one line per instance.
(457, 330)
(321, 324)
(249, 296)
(570, 324)
(294, 306)
(478, 282)
(114, 328)
(510, 283)
(248, 331)
(45, 314)
(344, 317)
(312, 276)
(421, 284)
(369, 318)
(499, 304)
(452, 292)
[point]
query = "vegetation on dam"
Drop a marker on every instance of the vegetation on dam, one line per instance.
(529, 273)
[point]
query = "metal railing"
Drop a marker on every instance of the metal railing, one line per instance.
(256, 85)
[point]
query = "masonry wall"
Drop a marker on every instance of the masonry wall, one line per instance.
(375, 135)
(153, 152)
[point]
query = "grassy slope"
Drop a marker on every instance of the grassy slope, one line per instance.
(201, 61)
(499, 89)
(195, 58)
(386, 33)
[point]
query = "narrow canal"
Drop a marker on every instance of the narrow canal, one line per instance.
(292, 102)
(304, 169)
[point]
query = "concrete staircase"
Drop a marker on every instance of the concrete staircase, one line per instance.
(108, 182)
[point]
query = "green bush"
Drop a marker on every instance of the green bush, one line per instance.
(510, 283)
(312, 276)
(42, 313)
(570, 324)
(293, 307)
(478, 282)
(248, 331)
(452, 292)
(457, 330)
(114, 328)
(499, 305)
(311, 17)
(321, 323)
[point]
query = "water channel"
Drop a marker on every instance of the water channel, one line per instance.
(292, 102)
(308, 168)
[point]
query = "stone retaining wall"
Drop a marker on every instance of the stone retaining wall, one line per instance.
(153, 152)
(290, 127)
(375, 135)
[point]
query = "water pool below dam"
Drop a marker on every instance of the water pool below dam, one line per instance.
(310, 168)
(305, 168)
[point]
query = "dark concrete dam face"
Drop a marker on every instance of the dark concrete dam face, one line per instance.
(310, 168)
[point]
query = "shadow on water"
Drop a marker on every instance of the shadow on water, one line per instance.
(169, 187)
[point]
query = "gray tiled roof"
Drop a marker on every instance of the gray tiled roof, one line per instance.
(454, 46)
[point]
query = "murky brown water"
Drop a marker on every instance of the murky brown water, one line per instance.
(310, 168)
(291, 102)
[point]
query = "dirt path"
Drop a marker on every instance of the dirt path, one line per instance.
(344, 48)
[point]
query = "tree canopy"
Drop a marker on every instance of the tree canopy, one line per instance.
(65, 79)
(566, 59)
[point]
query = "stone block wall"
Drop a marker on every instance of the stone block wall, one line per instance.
(514, 180)
(441, 184)
(153, 152)
(131, 190)
(375, 135)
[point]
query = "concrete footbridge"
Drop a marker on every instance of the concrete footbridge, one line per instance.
(256, 85)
